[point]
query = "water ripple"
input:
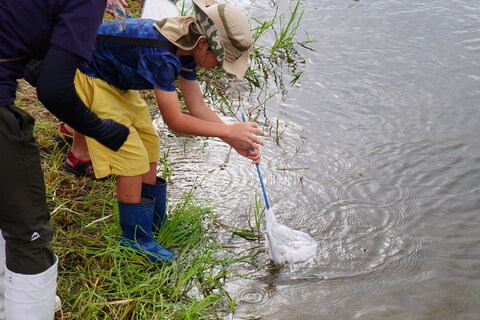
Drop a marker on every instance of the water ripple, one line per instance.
(254, 295)
(378, 191)
(359, 238)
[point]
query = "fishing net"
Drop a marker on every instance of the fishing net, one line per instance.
(286, 245)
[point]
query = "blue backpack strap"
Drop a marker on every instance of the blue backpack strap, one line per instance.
(133, 41)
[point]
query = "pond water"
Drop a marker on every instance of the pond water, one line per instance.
(378, 159)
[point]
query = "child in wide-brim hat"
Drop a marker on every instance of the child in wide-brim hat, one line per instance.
(219, 36)
(225, 28)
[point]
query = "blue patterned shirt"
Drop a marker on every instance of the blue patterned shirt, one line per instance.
(130, 67)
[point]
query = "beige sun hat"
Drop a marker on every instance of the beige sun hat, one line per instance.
(181, 31)
(227, 31)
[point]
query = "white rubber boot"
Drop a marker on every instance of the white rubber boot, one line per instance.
(2, 277)
(31, 296)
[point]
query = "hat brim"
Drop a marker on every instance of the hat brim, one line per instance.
(238, 67)
(202, 4)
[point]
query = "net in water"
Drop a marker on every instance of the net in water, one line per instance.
(286, 245)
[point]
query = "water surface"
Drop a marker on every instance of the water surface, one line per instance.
(378, 160)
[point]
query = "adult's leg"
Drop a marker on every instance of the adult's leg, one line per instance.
(25, 218)
(2, 277)
(31, 267)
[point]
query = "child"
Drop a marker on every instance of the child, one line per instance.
(219, 36)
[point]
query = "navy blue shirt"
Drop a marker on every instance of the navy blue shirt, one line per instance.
(130, 67)
(29, 27)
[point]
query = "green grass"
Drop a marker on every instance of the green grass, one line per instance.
(107, 282)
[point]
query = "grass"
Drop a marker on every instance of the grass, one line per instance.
(106, 282)
(99, 280)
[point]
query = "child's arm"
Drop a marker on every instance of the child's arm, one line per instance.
(202, 121)
(198, 108)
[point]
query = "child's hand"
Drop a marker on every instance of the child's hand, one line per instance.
(252, 153)
(244, 140)
(245, 132)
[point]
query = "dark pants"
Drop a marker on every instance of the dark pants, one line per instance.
(24, 215)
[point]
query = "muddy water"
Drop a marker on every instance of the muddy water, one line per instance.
(378, 160)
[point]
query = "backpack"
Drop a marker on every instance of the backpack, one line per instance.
(32, 70)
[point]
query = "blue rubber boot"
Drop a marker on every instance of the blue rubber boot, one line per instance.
(159, 192)
(136, 223)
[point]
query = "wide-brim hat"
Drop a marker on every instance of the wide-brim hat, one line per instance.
(227, 31)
